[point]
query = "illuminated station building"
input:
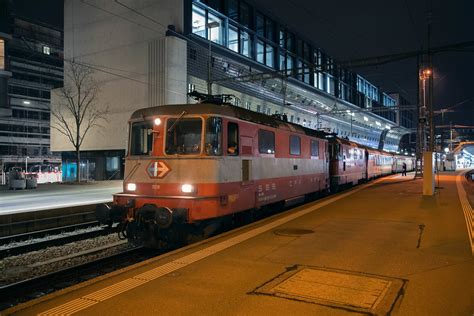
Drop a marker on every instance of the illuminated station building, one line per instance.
(149, 53)
(31, 64)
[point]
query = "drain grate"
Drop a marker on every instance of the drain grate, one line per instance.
(292, 232)
(349, 290)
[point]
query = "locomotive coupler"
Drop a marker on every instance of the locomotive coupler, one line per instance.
(107, 215)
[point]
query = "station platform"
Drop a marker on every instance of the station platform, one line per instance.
(380, 248)
(57, 195)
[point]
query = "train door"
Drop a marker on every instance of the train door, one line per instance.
(246, 145)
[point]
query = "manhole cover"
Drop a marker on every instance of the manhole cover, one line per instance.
(292, 232)
(349, 290)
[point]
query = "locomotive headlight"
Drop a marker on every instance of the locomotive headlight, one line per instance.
(187, 188)
(157, 121)
(131, 186)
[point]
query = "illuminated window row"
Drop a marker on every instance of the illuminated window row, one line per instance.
(2, 54)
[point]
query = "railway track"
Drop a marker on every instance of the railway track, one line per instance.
(18, 292)
(18, 224)
(23, 243)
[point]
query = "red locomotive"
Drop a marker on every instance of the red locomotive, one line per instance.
(189, 166)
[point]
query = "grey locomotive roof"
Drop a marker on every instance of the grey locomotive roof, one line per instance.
(225, 110)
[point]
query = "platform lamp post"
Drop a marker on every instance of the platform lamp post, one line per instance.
(26, 163)
(210, 26)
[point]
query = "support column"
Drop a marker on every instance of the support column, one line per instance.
(428, 174)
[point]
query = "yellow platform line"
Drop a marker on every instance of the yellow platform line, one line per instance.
(467, 209)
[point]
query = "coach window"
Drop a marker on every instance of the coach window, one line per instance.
(214, 136)
(232, 139)
(266, 142)
(314, 148)
(295, 145)
(141, 138)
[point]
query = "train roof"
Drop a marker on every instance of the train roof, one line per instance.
(226, 110)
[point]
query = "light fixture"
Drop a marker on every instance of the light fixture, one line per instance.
(187, 188)
(131, 186)
(26, 102)
(157, 121)
(366, 118)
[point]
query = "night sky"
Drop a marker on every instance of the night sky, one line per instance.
(348, 29)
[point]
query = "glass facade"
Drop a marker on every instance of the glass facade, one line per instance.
(250, 33)
(35, 62)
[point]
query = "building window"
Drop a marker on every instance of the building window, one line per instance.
(199, 21)
(233, 38)
(289, 64)
(215, 32)
(46, 50)
(245, 14)
(260, 52)
(265, 27)
(269, 59)
(2, 54)
(245, 43)
(260, 28)
(282, 62)
(233, 10)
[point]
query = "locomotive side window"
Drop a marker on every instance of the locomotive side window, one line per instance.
(295, 145)
(232, 139)
(183, 136)
(213, 136)
(314, 148)
(141, 138)
(266, 142)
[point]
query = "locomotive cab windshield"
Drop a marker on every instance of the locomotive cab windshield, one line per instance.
(183, 136)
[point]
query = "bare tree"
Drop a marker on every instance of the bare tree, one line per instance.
(78, 110)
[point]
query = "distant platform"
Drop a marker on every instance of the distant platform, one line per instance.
(57, 195)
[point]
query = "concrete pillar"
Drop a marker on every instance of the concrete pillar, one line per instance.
(167, 79)
(428, 173)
